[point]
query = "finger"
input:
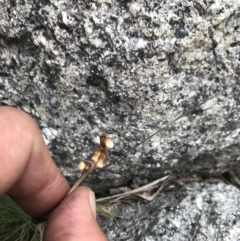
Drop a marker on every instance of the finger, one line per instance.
(74, 219)
(27, 172)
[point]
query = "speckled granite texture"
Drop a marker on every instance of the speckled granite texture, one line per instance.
(199, 212)
(128, 68)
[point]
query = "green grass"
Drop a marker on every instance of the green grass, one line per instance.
(15, 224)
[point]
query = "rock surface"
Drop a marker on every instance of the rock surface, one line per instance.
(128, 68)
(199, 212)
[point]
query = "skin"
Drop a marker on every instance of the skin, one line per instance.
(30, 177)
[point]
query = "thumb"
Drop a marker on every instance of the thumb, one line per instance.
(74, 219)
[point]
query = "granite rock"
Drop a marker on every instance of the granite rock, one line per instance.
(198, 211)
(129, 68)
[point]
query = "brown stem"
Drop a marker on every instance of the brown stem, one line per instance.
(82, 177)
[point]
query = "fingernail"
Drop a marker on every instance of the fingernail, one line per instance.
(92, 201)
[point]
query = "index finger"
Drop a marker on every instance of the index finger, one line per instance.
(27, 172)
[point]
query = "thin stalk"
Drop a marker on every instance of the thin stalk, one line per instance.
(135, 191)
(82, 177)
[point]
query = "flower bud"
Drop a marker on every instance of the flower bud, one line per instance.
(96, 155)
(102, 159)
(81, 165)
(108, 143)
(84, 165)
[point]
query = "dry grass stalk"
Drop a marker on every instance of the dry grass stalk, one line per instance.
(136, 191)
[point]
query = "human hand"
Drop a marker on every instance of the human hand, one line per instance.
(30, 177)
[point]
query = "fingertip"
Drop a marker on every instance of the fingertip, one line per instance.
(75, 218)
(92, 200)
(13, 123)
(84, 192)
(29, 177)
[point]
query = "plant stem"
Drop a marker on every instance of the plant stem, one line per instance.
(82, 177)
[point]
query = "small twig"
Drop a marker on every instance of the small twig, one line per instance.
(153, 196)
(82, 177)
(132, 192)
